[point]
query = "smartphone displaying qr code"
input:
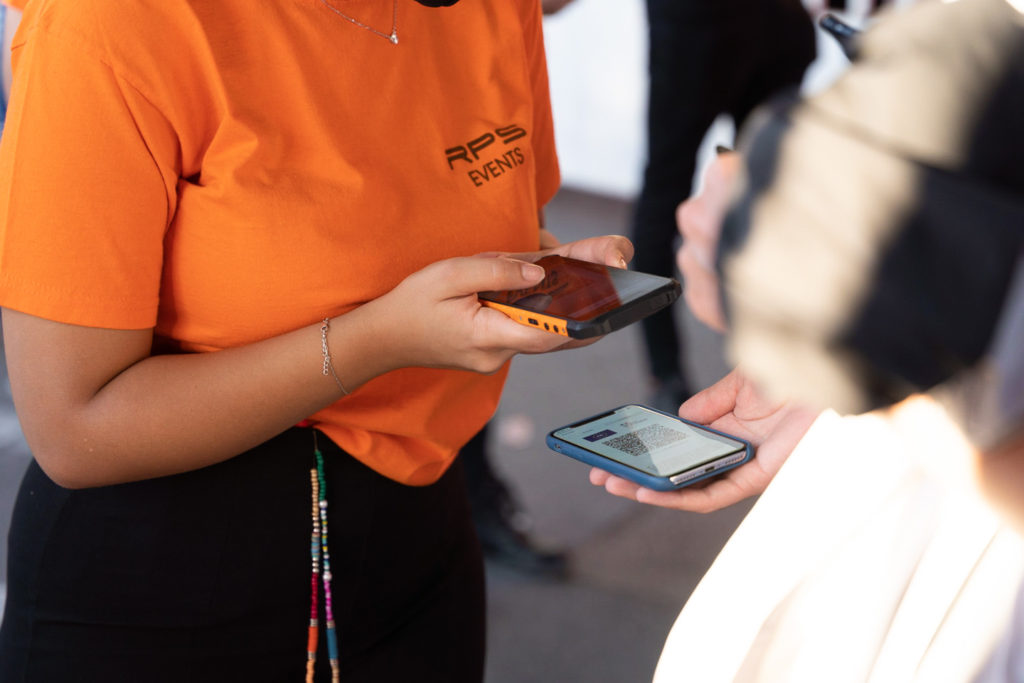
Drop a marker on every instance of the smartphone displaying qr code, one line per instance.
(652, 448)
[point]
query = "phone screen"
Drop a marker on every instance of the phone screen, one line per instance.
(649, 441)
(578, 290)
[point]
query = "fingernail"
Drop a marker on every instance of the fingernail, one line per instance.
(532, 272)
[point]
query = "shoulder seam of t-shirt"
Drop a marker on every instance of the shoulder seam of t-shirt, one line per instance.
(75, 42)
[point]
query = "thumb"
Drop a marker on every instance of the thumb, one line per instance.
(711, 403)
(469, 275)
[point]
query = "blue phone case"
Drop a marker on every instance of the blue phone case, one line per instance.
(650, 481)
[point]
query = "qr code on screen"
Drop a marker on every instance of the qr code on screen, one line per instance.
(642, 441)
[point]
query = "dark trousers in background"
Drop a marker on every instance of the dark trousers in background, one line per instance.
(707, 57)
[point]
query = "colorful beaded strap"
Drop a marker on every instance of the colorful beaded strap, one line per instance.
(318, 548)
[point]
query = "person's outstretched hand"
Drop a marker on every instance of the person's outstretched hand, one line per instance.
(700, 221)
(734, 406)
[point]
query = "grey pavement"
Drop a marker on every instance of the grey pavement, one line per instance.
(633, 566)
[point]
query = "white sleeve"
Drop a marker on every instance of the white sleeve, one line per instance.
(856, 565)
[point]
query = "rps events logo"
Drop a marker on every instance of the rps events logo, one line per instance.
(489, 155)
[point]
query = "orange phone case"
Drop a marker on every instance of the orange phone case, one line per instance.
(581, 299)
(538, 320)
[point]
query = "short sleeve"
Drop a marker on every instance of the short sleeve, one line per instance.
(87, 187)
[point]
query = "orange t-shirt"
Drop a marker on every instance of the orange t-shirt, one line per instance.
(227, 171)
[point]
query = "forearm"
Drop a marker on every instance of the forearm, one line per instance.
(172, 413)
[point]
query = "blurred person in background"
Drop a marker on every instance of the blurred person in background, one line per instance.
(704, 59)
(867, 256)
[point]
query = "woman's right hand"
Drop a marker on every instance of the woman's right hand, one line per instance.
(437, 321)
(434, 317)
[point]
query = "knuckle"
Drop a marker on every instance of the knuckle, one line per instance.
(688, 216)
(687, 259)
(692, 300)
(445, 270)
(501, 268)
(484, 363)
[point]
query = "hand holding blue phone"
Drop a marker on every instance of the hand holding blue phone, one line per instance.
(733, 406)
(649, 447)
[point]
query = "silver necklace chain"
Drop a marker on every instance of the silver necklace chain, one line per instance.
(392, 38)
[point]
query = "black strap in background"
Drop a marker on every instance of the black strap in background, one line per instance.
(844, 34)
(841, 4)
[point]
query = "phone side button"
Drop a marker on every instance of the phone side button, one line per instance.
(685, 476)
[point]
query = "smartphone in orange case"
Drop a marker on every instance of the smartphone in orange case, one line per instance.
(580, 299)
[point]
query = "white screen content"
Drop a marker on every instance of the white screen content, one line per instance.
(649, 441)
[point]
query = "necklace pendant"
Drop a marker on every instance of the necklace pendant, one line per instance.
(392, 38)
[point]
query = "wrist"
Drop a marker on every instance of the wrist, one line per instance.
(365, 343)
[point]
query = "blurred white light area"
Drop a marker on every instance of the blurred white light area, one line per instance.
(597, 62)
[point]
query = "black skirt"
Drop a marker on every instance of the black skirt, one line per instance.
(205, 576)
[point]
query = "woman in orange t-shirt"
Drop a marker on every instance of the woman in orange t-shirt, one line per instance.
(223, 220)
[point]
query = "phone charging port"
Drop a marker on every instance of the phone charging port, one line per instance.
(532, 321)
